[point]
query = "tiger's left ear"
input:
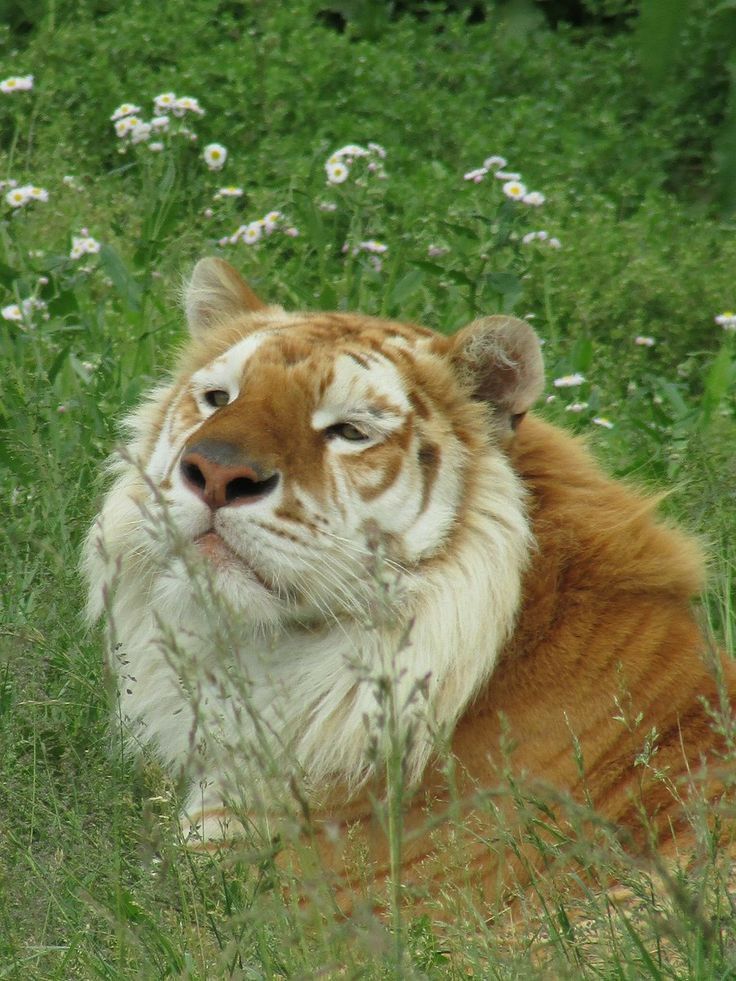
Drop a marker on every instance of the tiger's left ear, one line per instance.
(215, 294)
(500, 361)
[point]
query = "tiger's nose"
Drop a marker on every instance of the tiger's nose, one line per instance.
(217, 473)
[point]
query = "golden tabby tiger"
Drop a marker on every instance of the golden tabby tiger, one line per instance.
(331, 535)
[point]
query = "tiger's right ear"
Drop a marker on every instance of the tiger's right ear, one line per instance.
(215, 294)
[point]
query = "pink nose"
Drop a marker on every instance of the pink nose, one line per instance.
(212, 471)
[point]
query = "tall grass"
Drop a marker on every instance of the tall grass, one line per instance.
(94, 880)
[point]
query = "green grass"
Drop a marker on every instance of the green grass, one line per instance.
(93, 882)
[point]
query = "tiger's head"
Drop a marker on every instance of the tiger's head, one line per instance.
(337, 484)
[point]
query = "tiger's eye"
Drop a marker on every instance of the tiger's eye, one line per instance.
(217, 398)
(346, 430)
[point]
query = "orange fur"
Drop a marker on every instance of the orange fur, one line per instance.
(606, 628)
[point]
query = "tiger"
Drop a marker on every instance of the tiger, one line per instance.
(329, 535)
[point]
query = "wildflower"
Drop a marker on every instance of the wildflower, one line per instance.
(12, 312)
(337, 172)
(476, 176)
(8, 183)
(350, 151)
(569, 381)
(726, 320)
(83, 244)
(495, 163)
(186, 104)
(327, 206)
(514, 189)
(126, 109)
(37, 193)
(215, 156)
(378, 150)
(160, 122)
(291, 232)
(507, 175)
(436, 251)
(376, 263)
(68, 181)
(555, 243)
(23, 310)
(140, 133)
(162, 103)
(16, 83)
(550, 399)
(576, 407)
(62, 409)
(229, 192)
(602, 421)
(252, 233)
(534, 198)
(17, 197)
(156, 146)
(529, 238)
(644, 341)
(125, 125)
(271, 220)
(371, 245)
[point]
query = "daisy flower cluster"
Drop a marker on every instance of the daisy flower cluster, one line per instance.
(16, 83)
(131, 128)
(574, 380)
(727, 320)
(512, 185)
(372, 247)
(23, 311)
(254, 231)
(83, 244)
(549, 240)
(342, 162)
(18, 197)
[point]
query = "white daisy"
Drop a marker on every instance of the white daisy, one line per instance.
(495, 163)
(36, 193)
(252, 233)
(126, 109)
(378, 150)
(514, 189)
(555, 243)
(187, 104)
(644, 341)
(162, 103)
(534, 198)
(12, 312)
(215, 156)
(16, 83)
(337, 172)
(576, 407)
(156, 146)
(160, 122)
(350, 150)
(271, 221)
(569, 381)
(602, 421)
(17, 197)
(371, 245)
(229, 192)
(125, 125)
(507, 175)
(476, 176)
(292, 232)
(140, 133)
(726, 320)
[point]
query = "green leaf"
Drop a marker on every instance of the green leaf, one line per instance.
(126, 286)
(407, 285)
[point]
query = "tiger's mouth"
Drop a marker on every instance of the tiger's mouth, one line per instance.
(221, 555)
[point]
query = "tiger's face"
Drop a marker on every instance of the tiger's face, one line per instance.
(291, 448)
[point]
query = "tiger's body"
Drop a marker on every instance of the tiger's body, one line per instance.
(328, 523)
